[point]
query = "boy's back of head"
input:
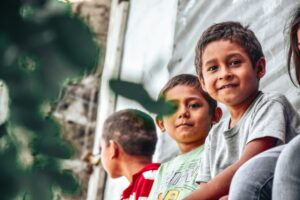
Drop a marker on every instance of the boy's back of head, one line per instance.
(128, 143)
(133, 130)
(234, 32)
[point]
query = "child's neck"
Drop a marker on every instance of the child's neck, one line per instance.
(132, 165)
(235, 116)
(185, 148)
(237, 111)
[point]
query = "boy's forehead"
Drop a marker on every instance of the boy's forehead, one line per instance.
(183, 91)
(227, 47)
(224, 42)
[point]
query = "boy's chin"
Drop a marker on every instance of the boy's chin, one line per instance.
(114, 176)
(190, 138)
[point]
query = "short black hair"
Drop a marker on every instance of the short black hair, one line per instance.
(190, 80)
(133, 129)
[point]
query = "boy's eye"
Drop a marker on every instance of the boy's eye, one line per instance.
(235, 62)
(194, 105)
(212, 68)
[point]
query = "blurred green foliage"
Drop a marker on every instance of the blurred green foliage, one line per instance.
(41, 44)
(138, 93)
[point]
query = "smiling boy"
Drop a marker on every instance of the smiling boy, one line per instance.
(188, 126)
(230, 63)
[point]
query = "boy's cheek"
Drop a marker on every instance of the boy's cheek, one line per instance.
(203, 84)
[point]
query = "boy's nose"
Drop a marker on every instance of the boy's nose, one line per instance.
(184, 112)
(225, 73)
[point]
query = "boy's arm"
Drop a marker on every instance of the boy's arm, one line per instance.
(219, 185)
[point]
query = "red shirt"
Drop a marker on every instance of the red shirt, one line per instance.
(141, 184)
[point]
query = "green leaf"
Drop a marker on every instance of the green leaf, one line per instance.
(138, 93)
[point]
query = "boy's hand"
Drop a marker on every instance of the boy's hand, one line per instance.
(90, 160)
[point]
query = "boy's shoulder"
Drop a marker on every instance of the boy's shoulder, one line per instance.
(262, 103)
(267, 106)
(141, 182)
(147, 172)
(271, 98)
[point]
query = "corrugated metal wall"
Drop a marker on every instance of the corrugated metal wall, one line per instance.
(161, 37)
(267, 18)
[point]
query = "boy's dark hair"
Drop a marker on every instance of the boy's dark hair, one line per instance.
(132, 129)
(234, 32)
(190, 80)
(294, 52)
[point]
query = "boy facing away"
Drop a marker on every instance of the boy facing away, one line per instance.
(188, 126)
(128, 143)
(230, 62)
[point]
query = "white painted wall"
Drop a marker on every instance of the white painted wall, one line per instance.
(147, 51)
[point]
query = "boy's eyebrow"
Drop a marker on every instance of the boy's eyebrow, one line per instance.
(189, 98)
(212, 61)
(172, 100)
(234, 54)
(209, 62)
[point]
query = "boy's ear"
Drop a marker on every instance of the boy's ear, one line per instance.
(160, 123)
(115, 149)
(217, 115)
(261, 67)
(200, 78)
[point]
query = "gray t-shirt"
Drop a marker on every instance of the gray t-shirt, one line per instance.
(270, 115)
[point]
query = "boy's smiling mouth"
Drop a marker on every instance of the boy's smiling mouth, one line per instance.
(184, 124)
(228, 86)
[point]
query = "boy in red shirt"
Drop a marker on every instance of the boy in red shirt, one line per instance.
(128, 143)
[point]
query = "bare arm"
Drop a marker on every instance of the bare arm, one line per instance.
(219, 185)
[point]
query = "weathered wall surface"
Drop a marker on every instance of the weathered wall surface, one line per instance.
(161, 37)
(77, 109)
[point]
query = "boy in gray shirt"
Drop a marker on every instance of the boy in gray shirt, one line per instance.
(230, 62)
